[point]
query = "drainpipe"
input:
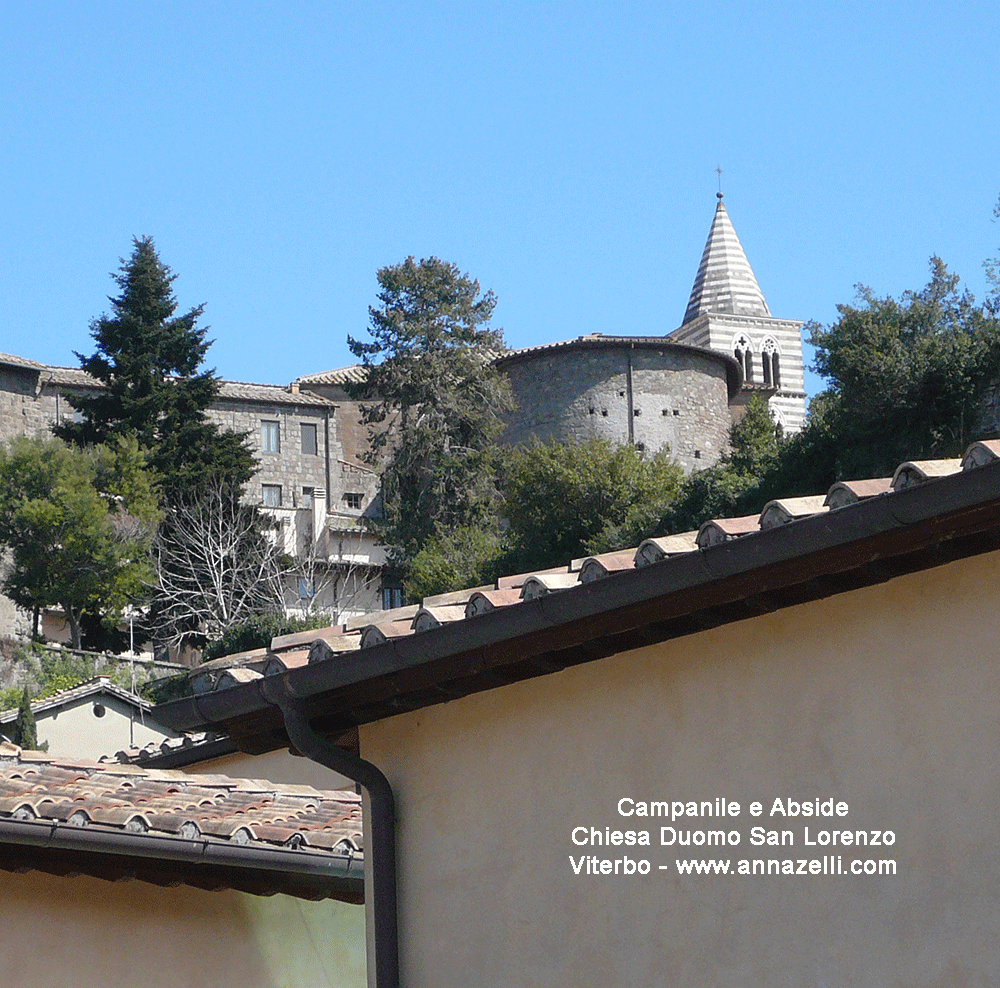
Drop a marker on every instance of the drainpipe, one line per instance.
(631, 409)
(381, 857)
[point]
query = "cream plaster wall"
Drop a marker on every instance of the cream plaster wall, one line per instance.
(886, 698)
(276, 766)
(75, 730)
(66, 932)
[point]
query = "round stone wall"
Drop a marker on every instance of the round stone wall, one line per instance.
(651, 392)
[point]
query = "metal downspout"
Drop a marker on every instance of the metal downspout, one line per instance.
(382, 855)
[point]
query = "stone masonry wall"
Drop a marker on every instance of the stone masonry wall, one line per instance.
(677, 398)
(290, 468)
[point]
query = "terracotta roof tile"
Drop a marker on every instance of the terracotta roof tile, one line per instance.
(434, 617)
(980, 453)
(108, 800)
(540, 584)
(781, 511)
(354, 373)
(596, 567)
(723, 529)
(846, 492)
(11, 361)
(920, 471)
(656, 550)
(517, 589)
(484, 601)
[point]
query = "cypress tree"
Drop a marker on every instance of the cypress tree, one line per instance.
(25, 734)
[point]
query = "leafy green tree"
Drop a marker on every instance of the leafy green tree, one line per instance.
(731, 487)
(78, 525)
(25, 732)
(462, 556)
(257, 632)
(148, 360)
(563, 501)
(434, 402)
(907, 378)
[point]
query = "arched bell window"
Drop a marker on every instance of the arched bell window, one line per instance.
(770, 363)
(743, 352)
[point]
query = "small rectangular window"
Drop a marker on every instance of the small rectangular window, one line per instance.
(307, 589)
(308, 491)
(392, 597)
(270, 437)
(353, 501)
(309, 447)
(271, 495)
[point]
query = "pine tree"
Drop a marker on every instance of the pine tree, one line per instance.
(435, 402)
(25, 733)
(148, 359)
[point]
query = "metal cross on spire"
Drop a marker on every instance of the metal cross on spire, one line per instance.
(718, 171)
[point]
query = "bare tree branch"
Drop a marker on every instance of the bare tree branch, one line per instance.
(216, 564)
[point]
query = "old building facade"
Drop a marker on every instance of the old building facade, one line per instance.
(321, 495)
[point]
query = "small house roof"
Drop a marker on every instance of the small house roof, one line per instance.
(116, 821)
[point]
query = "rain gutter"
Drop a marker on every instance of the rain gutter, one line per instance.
(381, 853)
(200, 851)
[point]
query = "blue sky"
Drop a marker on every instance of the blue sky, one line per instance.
(562, 153)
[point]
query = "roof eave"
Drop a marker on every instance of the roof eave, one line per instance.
(859, 545)
(61, 848)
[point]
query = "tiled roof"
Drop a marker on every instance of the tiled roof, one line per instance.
(463, 607)
(197, 746)
(202, 830)
(99, 686)
(271, 394)
(11, 361)
(353, 374)
(725, 281)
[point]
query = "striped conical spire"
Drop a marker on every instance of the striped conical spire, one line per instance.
(725, 281)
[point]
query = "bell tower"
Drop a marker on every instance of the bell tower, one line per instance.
(727, 312)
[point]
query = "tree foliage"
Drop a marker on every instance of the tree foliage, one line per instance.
(433, 401)
(25, 731)
(78, 525)
(148, 360)
(563, 501)
(462, 556)
(907, 377)
(257, 632)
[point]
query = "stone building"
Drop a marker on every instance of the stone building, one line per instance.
(648, 391)
(320, 493)
(682, 390)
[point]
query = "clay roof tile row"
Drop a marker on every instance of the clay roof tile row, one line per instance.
(461, 605)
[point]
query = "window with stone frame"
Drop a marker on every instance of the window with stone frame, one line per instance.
(271, 495)
(270, 437)
(353, 501)
(310, 446)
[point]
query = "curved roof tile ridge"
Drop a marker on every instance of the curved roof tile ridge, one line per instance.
(919, 471)
(435, 613)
